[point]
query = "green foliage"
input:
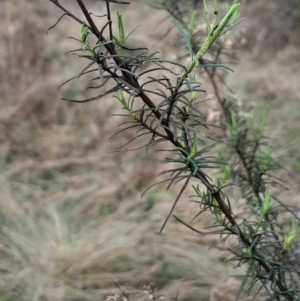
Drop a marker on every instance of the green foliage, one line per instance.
(127, 105)
(289, 239)
(174, 118)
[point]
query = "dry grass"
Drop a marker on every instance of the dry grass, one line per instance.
(71, 216)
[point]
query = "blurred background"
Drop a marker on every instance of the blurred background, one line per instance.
(72, 220)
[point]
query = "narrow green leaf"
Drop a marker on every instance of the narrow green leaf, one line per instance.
(264, 120)
(85, 68)
(159, 60)
(117, 40)
(182, 150)
(131, 32)
(121, 29)
(72, 38)
(230, 27)
(205, 149)
(245, 278)
(184, 35)
(74, 50)
(216, 66)
(192, 24)
(102, 44)
(84, 33)
(207, 17)
(196, 168)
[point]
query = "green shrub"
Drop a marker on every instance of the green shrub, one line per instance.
(265, 230)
